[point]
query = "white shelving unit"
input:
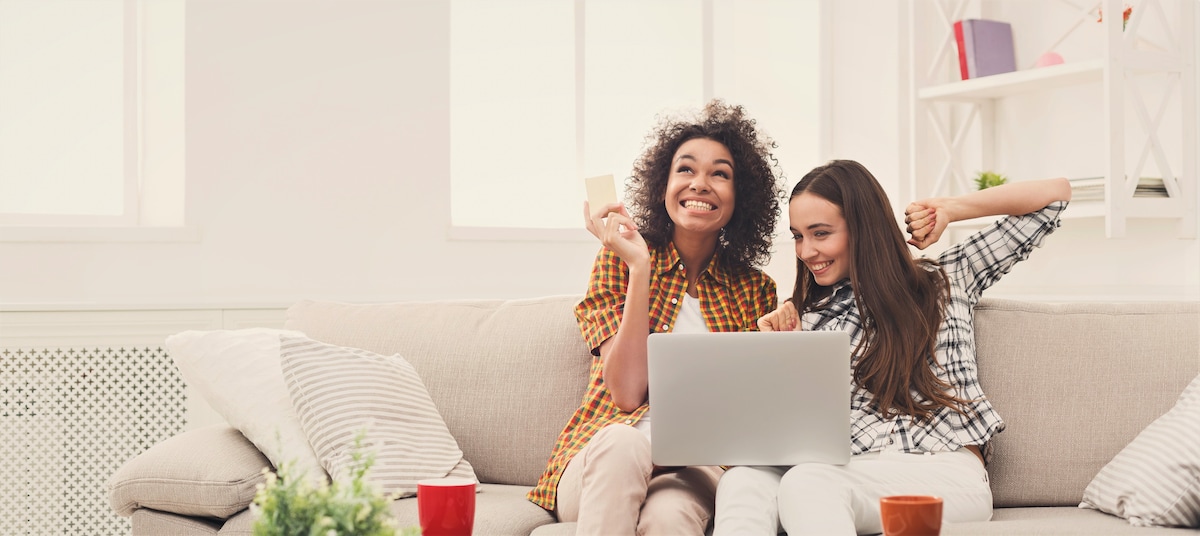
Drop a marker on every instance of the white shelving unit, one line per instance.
(959, 116)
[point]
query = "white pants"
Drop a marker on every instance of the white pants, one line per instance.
(823, 499)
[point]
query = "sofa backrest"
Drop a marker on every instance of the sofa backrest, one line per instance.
(1074, 383)
(505, 375)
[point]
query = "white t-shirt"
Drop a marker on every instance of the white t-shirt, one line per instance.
(690, 320)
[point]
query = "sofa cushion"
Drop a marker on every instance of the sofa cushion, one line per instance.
(1110, 370)
(206, 472)
(147, 522)
(240, 525)
(505, 375)
(499, 510)
(1155, 480)
(1053, 521)
(237, 372)
(341, 393)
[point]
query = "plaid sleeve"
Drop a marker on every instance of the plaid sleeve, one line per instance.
(599, 313)
(979, 261)
(764, 299)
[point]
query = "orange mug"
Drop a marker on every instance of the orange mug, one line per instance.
(911, 515)
(446, 506)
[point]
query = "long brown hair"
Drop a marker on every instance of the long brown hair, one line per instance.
(901, 300)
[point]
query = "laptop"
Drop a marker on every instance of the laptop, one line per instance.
(749, 398)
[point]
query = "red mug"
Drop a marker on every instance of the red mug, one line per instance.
(446, 506)
(911, 515)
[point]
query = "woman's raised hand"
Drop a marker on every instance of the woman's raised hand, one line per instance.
(923, 223)
(784, 318)
(615, 228)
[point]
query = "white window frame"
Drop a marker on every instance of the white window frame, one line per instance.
(129, 226)
(579, 234)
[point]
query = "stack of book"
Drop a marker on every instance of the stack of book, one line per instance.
(1092, 188)
(985, 47)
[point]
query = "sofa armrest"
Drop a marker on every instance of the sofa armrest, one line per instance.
(210, 472)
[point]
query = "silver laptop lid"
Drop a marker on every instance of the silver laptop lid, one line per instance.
(749, 398)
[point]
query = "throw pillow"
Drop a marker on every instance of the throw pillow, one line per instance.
(1155, 479)
(207, 472)
(237, 372)
(341, 392)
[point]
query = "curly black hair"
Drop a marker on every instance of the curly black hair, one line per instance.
(758, 191)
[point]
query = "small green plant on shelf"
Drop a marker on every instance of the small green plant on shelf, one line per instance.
(290, 504)
(988, 179)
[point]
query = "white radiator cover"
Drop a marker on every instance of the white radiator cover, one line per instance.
(83, 390)
(69, 417)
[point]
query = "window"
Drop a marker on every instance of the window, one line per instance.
(512, 113)
(573, 93)
(91, 114)
(568, 96)
(641, 59)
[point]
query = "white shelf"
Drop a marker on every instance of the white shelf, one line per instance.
(960, 117)
(1017, 82)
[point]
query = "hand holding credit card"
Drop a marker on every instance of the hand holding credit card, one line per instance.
(601, 191)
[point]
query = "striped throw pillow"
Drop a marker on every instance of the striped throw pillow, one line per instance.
(341, 392)
(1155, 479)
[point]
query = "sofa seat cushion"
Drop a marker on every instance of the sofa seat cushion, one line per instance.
(499, 509)
(147, 522)
(207, 472)
(239, 525)
(1051, 521)
(1055, 521)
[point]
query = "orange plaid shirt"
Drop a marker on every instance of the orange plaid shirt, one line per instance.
(729, 301)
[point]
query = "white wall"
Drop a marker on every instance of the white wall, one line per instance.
(317, 164)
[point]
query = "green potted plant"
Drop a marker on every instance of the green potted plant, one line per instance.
(988, 179)
(290, 504)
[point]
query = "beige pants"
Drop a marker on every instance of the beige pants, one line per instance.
(611, 487)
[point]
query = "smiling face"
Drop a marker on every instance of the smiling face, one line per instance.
(821, 236)
(700, 194)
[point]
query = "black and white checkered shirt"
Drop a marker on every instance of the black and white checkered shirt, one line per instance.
(972, 266)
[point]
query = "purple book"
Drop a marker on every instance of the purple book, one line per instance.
(989, 47)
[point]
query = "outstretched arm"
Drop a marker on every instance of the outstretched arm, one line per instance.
(928, 218)
(624, 354)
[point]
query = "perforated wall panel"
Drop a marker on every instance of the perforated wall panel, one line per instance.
(69, 417)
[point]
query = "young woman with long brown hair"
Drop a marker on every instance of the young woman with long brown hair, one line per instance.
(920, 422)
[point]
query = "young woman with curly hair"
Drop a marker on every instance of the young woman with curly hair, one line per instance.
(684, 257)
(920, 423)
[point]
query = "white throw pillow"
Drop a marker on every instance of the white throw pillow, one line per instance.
(341, 392)
(1155, 479)
(237, 372)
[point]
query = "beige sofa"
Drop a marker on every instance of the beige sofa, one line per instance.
(1075, 382)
